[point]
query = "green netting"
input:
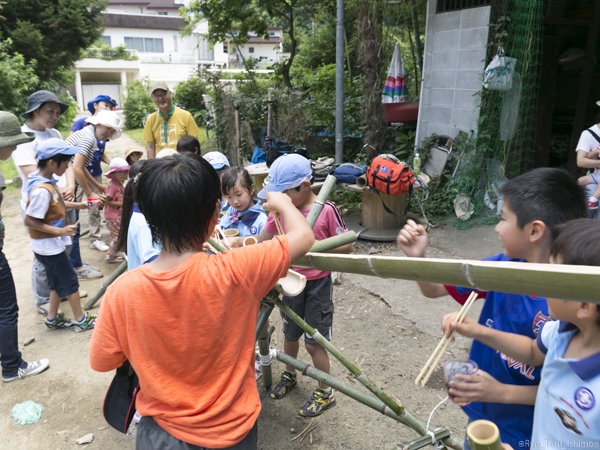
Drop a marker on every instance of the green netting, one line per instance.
(504, 136)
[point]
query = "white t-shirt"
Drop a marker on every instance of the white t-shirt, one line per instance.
(587, 142)
(38, 206)
(25, 155)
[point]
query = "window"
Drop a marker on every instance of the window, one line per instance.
(250, 49)
(271, 33)
(456, 5)
(148, 45)
(225, 47)
(106, 40)
(162, 13)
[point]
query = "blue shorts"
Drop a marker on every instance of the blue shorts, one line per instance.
(315, 305)
(62, 278)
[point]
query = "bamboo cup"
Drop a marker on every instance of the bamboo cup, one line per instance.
(249, 240)
(292, 284)
(230, 232)
(484, 435)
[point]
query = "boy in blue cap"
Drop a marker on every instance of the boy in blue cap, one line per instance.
(292, 175)
(46, 219)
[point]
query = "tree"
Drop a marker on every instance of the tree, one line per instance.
(52, 32)
(17, 79)
(235, 19)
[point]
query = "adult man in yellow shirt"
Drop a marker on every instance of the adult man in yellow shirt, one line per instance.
(166, 126)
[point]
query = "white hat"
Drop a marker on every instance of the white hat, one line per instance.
(109, 119)
(166, 152)
(598, 103)
(216, 159)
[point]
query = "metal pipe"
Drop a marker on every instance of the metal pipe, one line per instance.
(339, 84)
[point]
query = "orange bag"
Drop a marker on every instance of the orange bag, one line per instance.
(389, 175)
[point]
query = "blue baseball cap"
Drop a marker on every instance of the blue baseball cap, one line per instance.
(100, 98)
(287, 172)
(54, 146)
(217, 159)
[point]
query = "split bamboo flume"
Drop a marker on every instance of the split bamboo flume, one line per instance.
(335, 352)
(441, 433)
(578, 283)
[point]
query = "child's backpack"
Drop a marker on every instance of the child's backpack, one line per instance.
(347, 173)
(389, 175)
(321, 168)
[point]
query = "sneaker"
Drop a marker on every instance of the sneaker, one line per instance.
(30, 369)
(115, 260)
(99, 245)
(86, 264)
(283, 386)
(43, 310)
(58, 323)
(87, 323)
(318, 403)
(593, 204)
(257, 369)
(87, 273)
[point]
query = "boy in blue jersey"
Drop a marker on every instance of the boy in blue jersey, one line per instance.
(567, 412)
(504, 389)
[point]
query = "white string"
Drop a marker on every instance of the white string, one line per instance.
(429, 432)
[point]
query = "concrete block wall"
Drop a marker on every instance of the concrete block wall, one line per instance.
(455, 50)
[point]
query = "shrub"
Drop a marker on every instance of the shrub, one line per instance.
(189, 94)
(137, 103)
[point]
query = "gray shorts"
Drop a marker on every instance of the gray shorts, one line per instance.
(315, 306)
(151, 436)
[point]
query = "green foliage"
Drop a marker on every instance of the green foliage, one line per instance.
(66, 118)
(137, 102)
(347, 201)
(52, 32)
(189, 94)
(106, 53)
(17, 78)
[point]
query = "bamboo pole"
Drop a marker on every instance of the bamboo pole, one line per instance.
(314, 334)
(238, 155)
(100, 292)
(264, 353)
(332, 242)
(441, 433)
(319, 203)
(577, 283)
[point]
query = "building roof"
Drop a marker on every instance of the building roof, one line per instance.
(144, 21)
(259, 40)
(149, 4)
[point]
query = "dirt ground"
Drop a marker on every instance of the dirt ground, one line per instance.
(385, 326)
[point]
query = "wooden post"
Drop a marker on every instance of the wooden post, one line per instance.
(374, 214)
(269, 112)
(238, 155)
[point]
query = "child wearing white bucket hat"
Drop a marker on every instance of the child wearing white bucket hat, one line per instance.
(118, 173)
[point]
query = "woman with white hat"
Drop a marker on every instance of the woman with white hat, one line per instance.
(102, 126)
(588, 157)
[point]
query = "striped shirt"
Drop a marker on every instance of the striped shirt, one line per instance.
(86, 139)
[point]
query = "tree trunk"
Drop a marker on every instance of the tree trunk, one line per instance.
(369, 29)
(417, 34)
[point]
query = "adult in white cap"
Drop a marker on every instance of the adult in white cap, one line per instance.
(43, 111)
(163, 128)
(13, 365)
(588, 157)
(102, 126)
(95, 105)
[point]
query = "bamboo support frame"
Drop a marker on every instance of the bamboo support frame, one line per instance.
(332, 242)
(441, 433)
(319, 203)
(264, 351)
(314, 334)
(100, 292)
(577, 283)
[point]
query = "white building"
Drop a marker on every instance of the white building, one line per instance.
(151, 32)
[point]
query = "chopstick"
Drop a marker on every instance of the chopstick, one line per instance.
(275, 215)
(433, 360)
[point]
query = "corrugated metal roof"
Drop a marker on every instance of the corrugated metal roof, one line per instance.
(145, 21)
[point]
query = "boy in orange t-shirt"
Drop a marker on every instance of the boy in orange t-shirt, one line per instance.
(196, 373)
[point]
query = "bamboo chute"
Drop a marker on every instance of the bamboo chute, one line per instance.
(577, 283)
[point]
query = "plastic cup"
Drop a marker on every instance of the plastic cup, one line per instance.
(454, 366)
(250, 240)
(231, 232)
(93, 205)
